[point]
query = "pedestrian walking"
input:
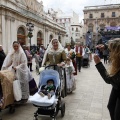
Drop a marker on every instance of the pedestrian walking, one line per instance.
(2, 56)
(105, 55)
(16, 62)
(42, 51)
(29, 57)
(79, 54)
(112, 77)
(71, 54)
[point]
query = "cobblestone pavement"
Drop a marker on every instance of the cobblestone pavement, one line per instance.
(87, 102)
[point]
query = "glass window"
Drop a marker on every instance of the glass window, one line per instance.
(113, 14)
(102, 15)
(90, 28)
(72, 29)
(76, 29)
(91, 16)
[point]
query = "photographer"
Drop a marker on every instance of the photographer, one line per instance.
(112, 76)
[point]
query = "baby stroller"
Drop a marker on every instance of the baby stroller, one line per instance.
(6, 90)
(85, 61)
(49, 107)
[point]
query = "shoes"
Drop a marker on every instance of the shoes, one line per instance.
(49, 96)
(41, 94)
(31, 70)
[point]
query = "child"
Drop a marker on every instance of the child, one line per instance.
(48, 89)
(69, 75)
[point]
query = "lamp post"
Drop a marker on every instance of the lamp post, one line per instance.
(30, 28)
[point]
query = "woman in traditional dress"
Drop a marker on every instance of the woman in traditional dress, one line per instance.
(16, 61)
(69, 68)
(55, 54)
(71, 54)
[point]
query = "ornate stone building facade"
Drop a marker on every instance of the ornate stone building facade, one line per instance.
(99, 17)
(14, 14)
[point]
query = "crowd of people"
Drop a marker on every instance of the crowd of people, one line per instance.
(19, 61)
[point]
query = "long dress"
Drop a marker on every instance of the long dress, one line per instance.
(70, 53)
(71, 84)
(19, 61)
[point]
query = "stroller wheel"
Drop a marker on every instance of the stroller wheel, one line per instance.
(62, 109)
(12, 109)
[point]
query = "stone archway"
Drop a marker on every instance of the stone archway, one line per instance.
(90, 27)
(51, 37)
(21, 36)
(39, 39)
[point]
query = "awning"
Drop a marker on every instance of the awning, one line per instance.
(113, 28)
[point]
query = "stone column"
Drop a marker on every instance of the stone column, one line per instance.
(45, 36)
(7, 33)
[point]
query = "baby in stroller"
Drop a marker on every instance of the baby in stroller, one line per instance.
(48, 89)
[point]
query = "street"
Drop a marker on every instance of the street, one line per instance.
(87, 102)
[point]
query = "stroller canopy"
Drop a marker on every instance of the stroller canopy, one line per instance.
(49, 74)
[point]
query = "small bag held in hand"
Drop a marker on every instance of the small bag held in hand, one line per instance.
(17, 90)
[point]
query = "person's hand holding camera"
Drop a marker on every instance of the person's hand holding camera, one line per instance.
(97, 59)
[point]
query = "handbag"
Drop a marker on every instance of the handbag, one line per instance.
(32, 87)
(17, 90)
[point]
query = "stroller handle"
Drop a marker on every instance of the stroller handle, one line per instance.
(52, 66)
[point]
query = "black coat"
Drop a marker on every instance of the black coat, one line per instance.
(114, 99)
(2, 57)
(113, 80)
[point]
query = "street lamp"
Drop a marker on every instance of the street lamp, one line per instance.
(30, 28)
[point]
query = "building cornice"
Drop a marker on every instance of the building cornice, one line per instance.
(101, 7)
(32, 16)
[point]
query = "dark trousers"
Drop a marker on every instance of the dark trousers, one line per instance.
(105, 58)
(114, 105)
(30, 66)
(79, 62)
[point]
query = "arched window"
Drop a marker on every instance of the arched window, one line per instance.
(90, 27)
(39, 38)
(50, 38)
(76, 29)
(21, 36)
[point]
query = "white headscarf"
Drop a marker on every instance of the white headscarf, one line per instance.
(50, 50)
(8, 58)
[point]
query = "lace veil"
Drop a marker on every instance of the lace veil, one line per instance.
(50, 50)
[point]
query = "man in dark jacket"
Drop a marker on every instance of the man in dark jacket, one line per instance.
(2, 56)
